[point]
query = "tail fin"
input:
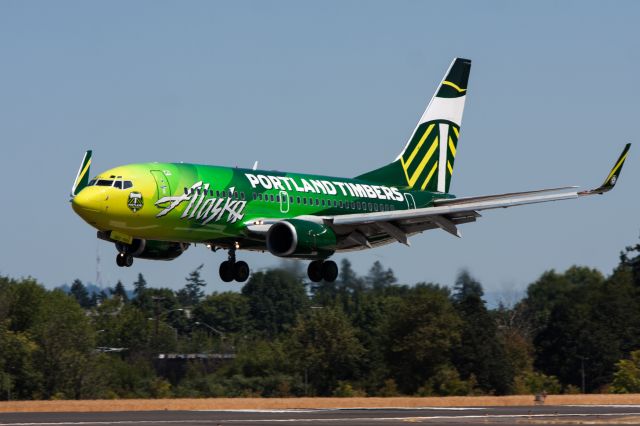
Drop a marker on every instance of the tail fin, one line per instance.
(426, 162)
(82, 178)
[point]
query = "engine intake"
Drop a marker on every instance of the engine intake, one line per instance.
(300, 238)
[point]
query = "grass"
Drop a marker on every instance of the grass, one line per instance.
(292, 403)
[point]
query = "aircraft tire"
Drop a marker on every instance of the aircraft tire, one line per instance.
(128, 260)
(226, 271)
(329, 271)
(314, 271)
(120, 260)
(241, 271)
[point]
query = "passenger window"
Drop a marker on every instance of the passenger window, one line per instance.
(255, 196)
(260, 197)
(298, 200)
(335, 203)
(217, 194)
(235, 195)
(359, 205)
(304, 201)
(353, 205)
(291, 199)
(375, 207)
(370, 207)
(211, 192)
(271, 197)
(323, 202)
(117, 184)
(340, 203)
(277, 198)
(317, 202)
(242, 195)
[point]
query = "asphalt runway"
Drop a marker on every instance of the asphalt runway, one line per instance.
(603, 414)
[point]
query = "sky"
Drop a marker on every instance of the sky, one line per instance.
(332, 88)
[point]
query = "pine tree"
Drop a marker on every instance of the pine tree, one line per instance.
(139, 286)
(120, 292)
(480, 353)
(379, 279)
(79, 291)
(193, 291)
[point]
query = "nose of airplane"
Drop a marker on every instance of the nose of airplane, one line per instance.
(88, 201)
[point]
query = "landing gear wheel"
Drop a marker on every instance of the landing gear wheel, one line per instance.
(128, 260)
(314, 271)
(241, 271)
(226, 271)
(120, 259)
(329, 271)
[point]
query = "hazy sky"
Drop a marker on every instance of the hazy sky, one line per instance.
(322, 87)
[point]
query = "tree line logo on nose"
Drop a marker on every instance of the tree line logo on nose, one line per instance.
(135, 202)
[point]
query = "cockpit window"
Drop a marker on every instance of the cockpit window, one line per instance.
(127, 184)
(117, 184)
(92, 182)
(104, 182)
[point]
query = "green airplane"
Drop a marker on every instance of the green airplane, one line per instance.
(157, 210)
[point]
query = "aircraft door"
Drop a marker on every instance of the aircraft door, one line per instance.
(162, 183)
(411, 202)
(284, 202)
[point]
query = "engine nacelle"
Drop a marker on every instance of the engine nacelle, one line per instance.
(151, 249)
(300, 238)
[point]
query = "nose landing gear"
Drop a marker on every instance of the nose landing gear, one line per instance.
(231, 270)
(319, 270)
(124, 259)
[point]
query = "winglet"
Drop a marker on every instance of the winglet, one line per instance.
(612, 177)
(82, 178)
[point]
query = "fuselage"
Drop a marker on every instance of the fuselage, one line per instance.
(211, 204)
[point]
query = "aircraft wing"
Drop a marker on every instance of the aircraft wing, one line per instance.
(446, 214)
(366, 229)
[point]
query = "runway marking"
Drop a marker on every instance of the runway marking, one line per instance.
(342, 419)
(317, 410)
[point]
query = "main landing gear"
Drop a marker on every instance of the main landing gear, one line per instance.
(319, 270)
(124, 259)
(231, 270)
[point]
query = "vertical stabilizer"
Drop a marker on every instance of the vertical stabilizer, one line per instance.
(82, 178)
(427, 160)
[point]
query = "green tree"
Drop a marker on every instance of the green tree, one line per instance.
(420, 334)
(275, 299)
(626, 378)
(480, 352)
(65, 341)
(119, 292)
(193, 291)
(378, 278)
(594, 326)
(228, 311)
(19, 378)
(80, 293)
(325, 349)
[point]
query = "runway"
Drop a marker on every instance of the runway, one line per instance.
(603, 414)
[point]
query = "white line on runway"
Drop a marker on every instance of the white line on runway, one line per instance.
(316, 410)
(327, 420)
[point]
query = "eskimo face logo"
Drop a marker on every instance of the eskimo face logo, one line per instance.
(135, 202)
(613, 180)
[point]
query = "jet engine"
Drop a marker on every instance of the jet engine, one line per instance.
(301, 238)
(151, 249)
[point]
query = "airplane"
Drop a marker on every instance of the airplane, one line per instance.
(157, 210)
